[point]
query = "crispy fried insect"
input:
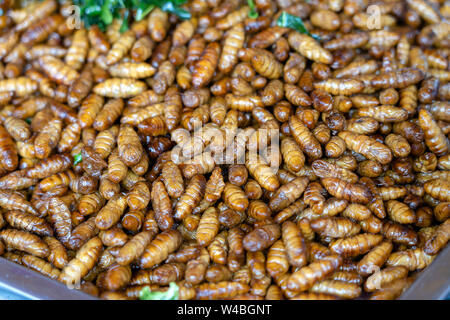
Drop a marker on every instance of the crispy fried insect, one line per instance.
(356, 245)
(337, 288)
(28, 222)
(208, 227)
(82, 233)
(16, 201)
(120, 88)
(398, 79)
(292, 154)
(234, 41)
(111, 212)
(434, 137)
(98, 39)
(400, 212)
(344, 87)
(159, 249)
(367, 146)
(47, 139)
(162, 275)
(206, 65)
(243, 103)
(438, 188)
(113, 237)
(424, 9)
(173, 179)
(235, 197)
(134, 247)
(375, 258)
(343, 190)
(232, 17)
(40, 266)
(218, 249)
(277, 260)
(288, 193)
(326, 169)
(385, 113)
(304, 278)
(258, 210)
(115, 278)
(308, 143)
(335, 227)
(76, 54)
(158, 24)
(83, 262)
(412, 259)
(58, 255)
(57, 70)
(139, 196)
(295, 244)
(262, 237)
(191, 197)
(129, 146)
(121, 47)
(8, 153)
(221, 290)
(308, 47)
(214, 186)
(392, 290)
(25, 241)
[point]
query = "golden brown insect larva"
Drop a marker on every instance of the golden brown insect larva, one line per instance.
(113, 237)
(439, 189)
(367, 146)
(441, 212)
(344, 87)
(292, 154)
(398, 79)
(57, 70)
(234, 40)
(308, 47)
(121, 47)
(356, 245)
(337, 288)
(82, 233)
(214, 186)
(217, 273)
(308, 143)
(83, 262)
(385, 113)
(400, 212)
(265, 63)
(277, 260)
(27, 222)
(158, 24)
(139, 196)
(115, 278)
(76, 54)
(375, 258)
(347, 191)
(25, 241)
(244, 103)
(98, 39)
(288, 193)
(335, 227)
(258, 210)
(120, 88)
(206, 65)
(191, 197)
(424, 9)
(235, 197)
(295, 244)
(392, 290)
(218, 249)
(262, 237)
(297, 96)
(16, 180)
(304, 278)
(208, 227)
(158, 250)
(58, 255)
(80, 87)
(293, 68)
(220, 290)
(399, 233)
(135, 70)
(439, 239)
(162, 275)
(111, 212)
(434, 137)
(15, 201)
(41, 266)
(412, 259)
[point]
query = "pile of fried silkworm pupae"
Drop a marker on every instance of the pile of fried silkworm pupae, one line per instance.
(92, 193)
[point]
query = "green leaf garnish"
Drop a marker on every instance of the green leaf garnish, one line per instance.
(77, 158)
(253, 14)
(290, 21)
(103, 12)
(28, 120)
(171, 294)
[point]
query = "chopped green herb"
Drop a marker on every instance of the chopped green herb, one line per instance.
(103, 12)
(28, 120)
(253, 14)
(287, 20)
(171, 294)
(77, 158)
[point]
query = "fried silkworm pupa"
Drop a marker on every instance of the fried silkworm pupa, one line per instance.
(115, 278)
(304, 278)
(208, 227)
(25, 241)
(28, 222)
(16, 201)
(220, 290)
(8, 152)
(343, 190)
(262, 237)
(375, 258)
(159, 249)
(85, 259)
(120, 88)
(384, 276)
(111, 212)
(40, 266)
(162, 275)
(295, 244)
(337, 288)
(191, 197)
(134, 247)
(356, 245)
(438, 240)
